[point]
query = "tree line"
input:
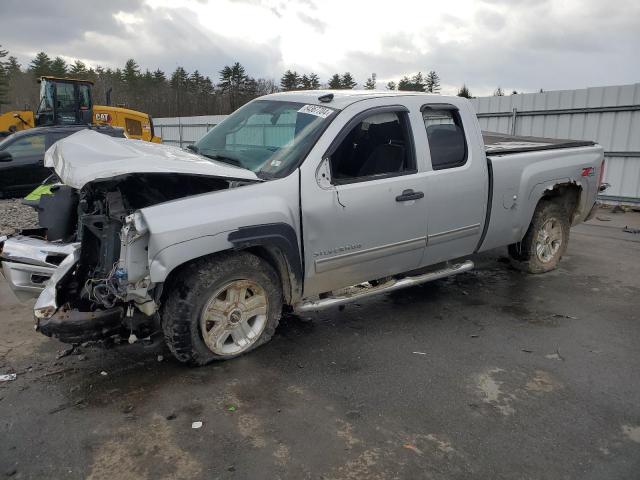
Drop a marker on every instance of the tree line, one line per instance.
(180, 93)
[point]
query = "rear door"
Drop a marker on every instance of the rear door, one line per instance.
(457, 185)
(364, 207)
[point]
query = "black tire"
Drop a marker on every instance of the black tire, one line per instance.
(192, 288)
(524, 253)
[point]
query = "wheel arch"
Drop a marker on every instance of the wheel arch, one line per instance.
(275, 243)
(569, 194)
(566, 194)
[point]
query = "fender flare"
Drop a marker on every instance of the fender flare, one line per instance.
(279, 236)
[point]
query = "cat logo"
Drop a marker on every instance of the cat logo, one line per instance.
(103, 117)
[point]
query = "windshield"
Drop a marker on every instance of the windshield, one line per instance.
(268, 137)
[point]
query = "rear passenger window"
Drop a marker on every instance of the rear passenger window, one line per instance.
(379, 145)
(447, 142)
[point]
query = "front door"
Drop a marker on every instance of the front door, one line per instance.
(364, 218)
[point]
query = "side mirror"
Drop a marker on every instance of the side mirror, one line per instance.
(323, 174)
(5, 156)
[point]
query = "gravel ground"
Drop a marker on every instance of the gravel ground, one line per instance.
(14, 215)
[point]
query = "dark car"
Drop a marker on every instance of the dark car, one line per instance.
(22, 156)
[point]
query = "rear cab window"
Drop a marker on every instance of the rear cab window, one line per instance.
(445, 135)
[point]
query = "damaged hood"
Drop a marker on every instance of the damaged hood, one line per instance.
(87, 155)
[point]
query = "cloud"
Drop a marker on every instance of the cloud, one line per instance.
(517, 44)
(490, 19)
(318, 25)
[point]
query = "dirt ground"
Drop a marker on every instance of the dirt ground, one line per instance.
(492, 374)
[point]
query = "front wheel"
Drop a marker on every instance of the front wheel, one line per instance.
(221, 307)
(545, 242)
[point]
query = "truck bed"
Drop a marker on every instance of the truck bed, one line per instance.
(502, 143)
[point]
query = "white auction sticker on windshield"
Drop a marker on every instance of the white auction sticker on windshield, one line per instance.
(316, 110)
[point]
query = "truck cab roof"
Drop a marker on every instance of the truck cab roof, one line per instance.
(343, 98)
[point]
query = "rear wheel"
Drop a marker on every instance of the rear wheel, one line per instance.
(545, 241)
(221, 307)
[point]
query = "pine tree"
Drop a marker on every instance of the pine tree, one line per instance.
(391, 85)
(78, 70)
(179, 78)
(432, 82)
(464, 92)
(58, 67)
(159, 77)
(370, 84)
(195, 82)
(225, 78)
(304, 82)
(418, 83)
(405, 84)
(347, 82)
(207, 86)
(41, 65)
(292, 81)
(12, 65)
(233, 79)
(131, 72)
(310, 82)
(314, 82)
(147, 76)
(335, 82)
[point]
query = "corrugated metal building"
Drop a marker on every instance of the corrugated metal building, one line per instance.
(608, 115)
(183, 131)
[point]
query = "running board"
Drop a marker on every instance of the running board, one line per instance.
(362, 291)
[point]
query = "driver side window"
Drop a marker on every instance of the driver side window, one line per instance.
(378, 146)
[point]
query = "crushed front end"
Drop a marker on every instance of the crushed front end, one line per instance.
(88, 265)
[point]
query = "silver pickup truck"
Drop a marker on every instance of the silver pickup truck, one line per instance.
(298, 201)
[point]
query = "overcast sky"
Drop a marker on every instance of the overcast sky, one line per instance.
(516, 44)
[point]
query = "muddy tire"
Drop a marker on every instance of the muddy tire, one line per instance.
(545, 242)
(221, 307)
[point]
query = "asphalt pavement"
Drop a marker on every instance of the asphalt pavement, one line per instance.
(493, 374)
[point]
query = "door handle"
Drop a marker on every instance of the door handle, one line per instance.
(409, 195)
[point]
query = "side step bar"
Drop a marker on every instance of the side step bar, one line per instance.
(364, 291)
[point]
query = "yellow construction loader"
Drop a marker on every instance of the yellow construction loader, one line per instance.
(65, 101)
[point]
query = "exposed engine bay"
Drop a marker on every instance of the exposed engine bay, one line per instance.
(98, 263)
(113, 241)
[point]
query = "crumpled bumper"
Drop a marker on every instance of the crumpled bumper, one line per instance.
(29, 263)
(73, 326)
(34, 268)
